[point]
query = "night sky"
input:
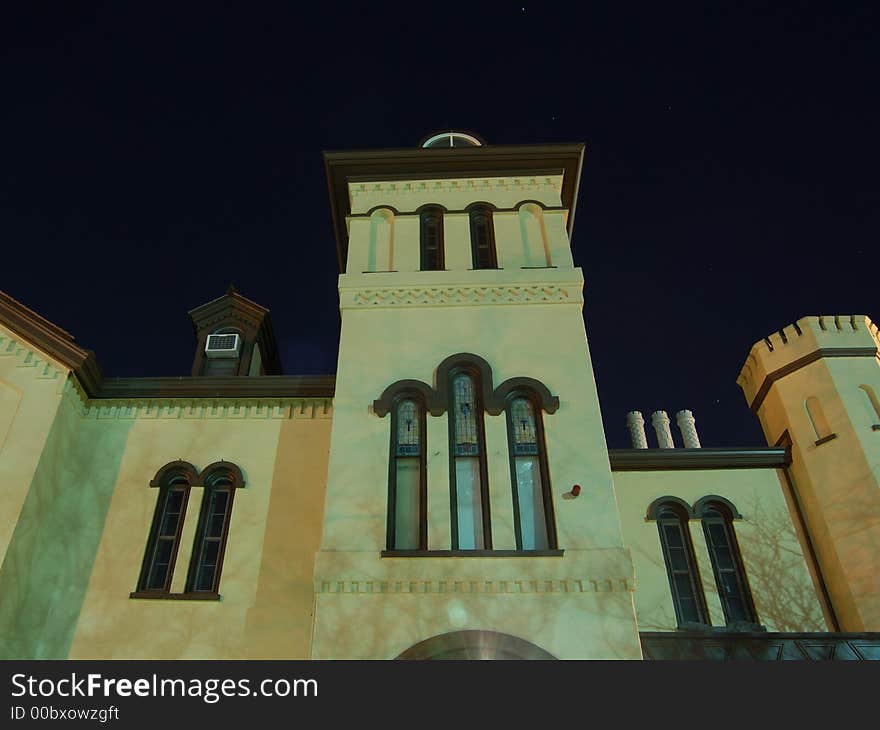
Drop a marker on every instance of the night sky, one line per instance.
(731, 181)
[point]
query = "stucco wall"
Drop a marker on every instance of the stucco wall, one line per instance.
(266, 582)
(784, 594)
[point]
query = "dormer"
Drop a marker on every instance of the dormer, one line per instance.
(235, 337)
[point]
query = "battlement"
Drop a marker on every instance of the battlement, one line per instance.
(809, 337)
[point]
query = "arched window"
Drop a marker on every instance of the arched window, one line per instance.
(482, 238)
(717, 516)
(818, 421)
(681, 567)
(873, 405)
(407, 478)
(532, 504)
(431, 239)
(469, 482)
(220, 482)
(173, 481)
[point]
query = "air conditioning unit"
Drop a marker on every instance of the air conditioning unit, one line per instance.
(223, 345)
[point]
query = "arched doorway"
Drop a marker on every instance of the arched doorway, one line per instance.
(475, 645)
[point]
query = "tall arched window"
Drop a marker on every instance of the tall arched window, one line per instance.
(482, 238)
(717, 516)
(681, 567)
(173, 481)
(469, 483)
(431, 239)
(165, 540)
(407, 478)
(532, 505)
(220, 482)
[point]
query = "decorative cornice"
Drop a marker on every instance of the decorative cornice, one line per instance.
(264, 386)
(525, 161)
(476, 186)
(675, 459)
(27, 357)
(208, 409)
(460, 295)
(524, 585)
(48, 338)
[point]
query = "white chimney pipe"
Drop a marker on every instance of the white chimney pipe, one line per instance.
(661, 426)
(687, 426)
(636, 425)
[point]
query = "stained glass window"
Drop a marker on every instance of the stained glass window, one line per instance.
(522, 417)
(408, 421)
(465, 415)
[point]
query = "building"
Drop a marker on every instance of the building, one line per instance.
(449, 492)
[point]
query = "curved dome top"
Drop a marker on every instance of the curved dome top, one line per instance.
(452, 139)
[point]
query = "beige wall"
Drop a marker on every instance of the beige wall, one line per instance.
(266, 582)
(526, 235)
(31, 384)
(524, 322)
(838, 481)
(784, 594)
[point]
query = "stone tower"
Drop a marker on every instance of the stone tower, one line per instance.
(462, 308)
(814, 386)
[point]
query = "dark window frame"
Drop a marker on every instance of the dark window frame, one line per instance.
(475, 373)
(154, 538)
(431, 260)
(482, 256)
(217, 477)
(177, 474)
(549, 516)
(726, 514)
(681, 521)
(419, 399)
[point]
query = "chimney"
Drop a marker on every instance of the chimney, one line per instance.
(661, 426)
(688, 428)
(636, 425)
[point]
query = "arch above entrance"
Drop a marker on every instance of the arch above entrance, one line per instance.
(475, 644)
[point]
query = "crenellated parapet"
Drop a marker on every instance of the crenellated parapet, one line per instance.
(798, 344)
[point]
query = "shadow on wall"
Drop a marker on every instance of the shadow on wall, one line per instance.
(46, 572)
(774, 565)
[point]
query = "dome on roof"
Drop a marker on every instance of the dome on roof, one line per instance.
(451, 139)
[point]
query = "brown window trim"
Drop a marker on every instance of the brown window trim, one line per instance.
(219, 476)
(437, 398)
(547, 493)
(174, 474)
(177, 472)
(475, 212)
(472, 553)
(417, 396)
(435, 212)
(683, 513)
(728, 514)
(189, 596)
(826, 439)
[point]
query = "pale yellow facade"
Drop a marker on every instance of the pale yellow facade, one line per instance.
(307, 571)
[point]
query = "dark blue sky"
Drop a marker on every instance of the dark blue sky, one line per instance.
(730, 185)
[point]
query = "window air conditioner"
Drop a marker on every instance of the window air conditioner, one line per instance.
(223, 345)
